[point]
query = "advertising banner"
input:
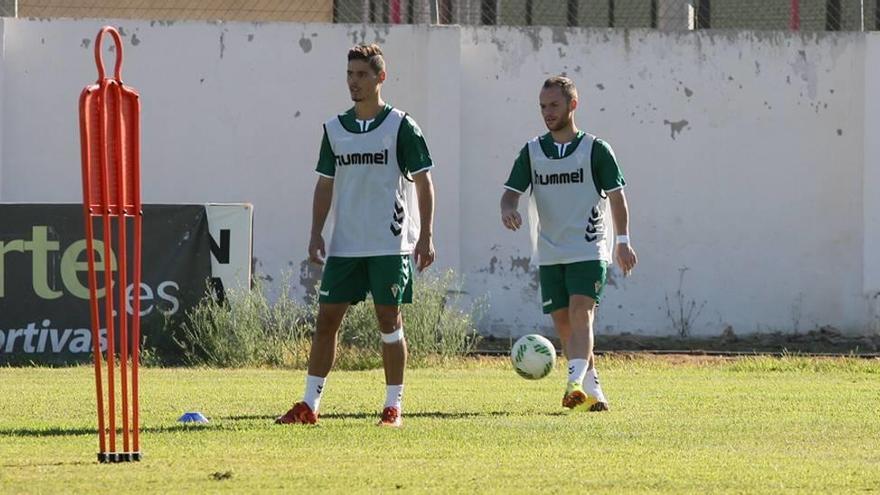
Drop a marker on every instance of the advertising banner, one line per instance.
(44, 309)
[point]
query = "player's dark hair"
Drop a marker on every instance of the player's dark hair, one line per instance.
(371, 53)
(565, 84)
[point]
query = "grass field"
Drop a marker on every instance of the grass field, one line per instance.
(677, 425)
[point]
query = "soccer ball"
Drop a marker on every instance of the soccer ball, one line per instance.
(533, 357)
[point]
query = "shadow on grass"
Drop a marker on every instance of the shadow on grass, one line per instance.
(47, 464)
(269, 419)
(72, 432)
(423, 414)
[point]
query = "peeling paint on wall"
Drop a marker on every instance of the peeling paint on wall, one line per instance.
(360, 35)
(305, 44)
(874, 312)
(524, 264)
(493, 263)
(806, 71)
(309, 276)
(560, 36)
(675, 127)
(611, 277)
(534, 35)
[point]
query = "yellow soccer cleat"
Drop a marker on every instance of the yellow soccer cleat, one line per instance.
(575, 399)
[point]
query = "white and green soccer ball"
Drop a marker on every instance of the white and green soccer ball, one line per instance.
(533, 357)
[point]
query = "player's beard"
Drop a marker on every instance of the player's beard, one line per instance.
(560, 124)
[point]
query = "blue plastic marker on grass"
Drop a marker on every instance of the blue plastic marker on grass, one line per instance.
(193, 417)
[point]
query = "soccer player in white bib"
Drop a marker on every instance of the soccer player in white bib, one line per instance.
(374, 170)
(574, 178)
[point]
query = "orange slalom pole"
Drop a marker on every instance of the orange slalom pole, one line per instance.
(93, 299)
(108, 267)
(136, 276)
(122, 232)
(136, 335)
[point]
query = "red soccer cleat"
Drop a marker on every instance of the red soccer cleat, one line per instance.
(300, 413)
(390, 417)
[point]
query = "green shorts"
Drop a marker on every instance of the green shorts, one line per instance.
(388, 278)
(559, 282)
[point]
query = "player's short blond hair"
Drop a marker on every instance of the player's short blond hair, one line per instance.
(563, 83)
(371, 54)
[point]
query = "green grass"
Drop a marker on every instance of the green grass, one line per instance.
(745, 426)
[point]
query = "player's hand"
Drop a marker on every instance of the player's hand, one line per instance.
(317, 253)
(511, 219)
(626, 258)
(424, 252)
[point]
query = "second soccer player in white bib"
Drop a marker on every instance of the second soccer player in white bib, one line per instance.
(574, 178)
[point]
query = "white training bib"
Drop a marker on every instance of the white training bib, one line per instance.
(568, 219)
(374, 209)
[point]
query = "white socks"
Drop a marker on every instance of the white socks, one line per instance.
(394, 396)
(314, 390)
(578, 373)
(577, 368)
(591, 385)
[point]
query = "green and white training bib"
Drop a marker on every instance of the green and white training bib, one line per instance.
(569, 220)
(374, 210)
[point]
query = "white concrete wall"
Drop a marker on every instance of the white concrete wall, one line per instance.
(744, 157)
(746, 153)
(872, 179)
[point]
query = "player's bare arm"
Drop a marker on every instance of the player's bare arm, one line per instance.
(320, 209)
(624, 252)
(510, 217)
(424, 251)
